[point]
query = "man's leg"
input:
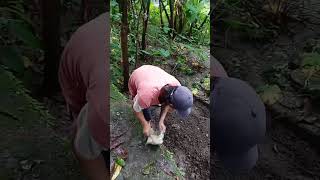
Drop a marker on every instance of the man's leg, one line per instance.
(147, 114)
(94, 169)
(106, 156)
(87, 151)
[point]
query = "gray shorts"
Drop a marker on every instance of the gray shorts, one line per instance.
(84, 143)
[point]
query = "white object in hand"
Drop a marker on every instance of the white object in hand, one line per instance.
(154, 138)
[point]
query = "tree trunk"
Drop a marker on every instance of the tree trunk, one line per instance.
(178, 18)
(181, 24)
(124, 43)
(165, 11)
(137, 38)
(175, 25)
(50, 13)
(190, 30)
(133, 17)
(171, 24)
(161, 20)
(212, 16)
(145, 26)
(107, 5)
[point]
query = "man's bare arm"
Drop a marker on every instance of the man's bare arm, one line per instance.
(145, 124)
(141, 118)
(163, 114)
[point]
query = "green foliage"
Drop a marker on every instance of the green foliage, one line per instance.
(115, 14)
(149, 168)
(169, 157)
(18, 36)
(196, 10)
(11, 58)
(184, 67)
(19, 94)
(120, 161)
(157, 53)
(270, 94)
(15, 9)
(206, 83)
(311, 60)
(236, 15)
(195, 88)
(160, 47)
(116, 69)
(277, 74)
(22, 32)
(115, 94)
(163, 53)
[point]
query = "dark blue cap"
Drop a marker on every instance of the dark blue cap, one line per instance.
(182, 100)
(238, 122)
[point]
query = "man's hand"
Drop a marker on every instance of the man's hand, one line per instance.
(162, 127)
(164, 111)
(170, 109)
(146, 129)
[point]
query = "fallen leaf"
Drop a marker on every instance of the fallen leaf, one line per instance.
(116, 172)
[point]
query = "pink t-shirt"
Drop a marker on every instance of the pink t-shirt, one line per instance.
(83, 75)
(147, 81)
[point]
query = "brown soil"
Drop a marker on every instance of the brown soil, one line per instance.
(190, 137)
